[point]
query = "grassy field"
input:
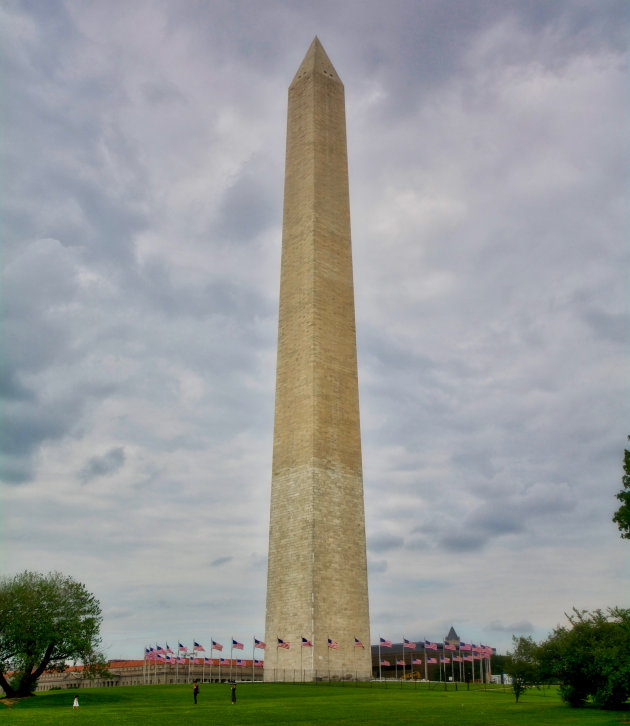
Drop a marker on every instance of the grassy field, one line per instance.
(302, 704)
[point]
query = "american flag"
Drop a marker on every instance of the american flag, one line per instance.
(385, 663)
(306, 643)
(333, 644)
(445, 660)
(258, 663)
(216, 646)
(428, 645)
(385, 643)
(236, 645)
(456, 659)
(181, 661)
(240, 662)
(468, 658)
(168, 648)
(400, 663)
(224, 661)
(432, 660)
(198, 647)
(358, 643)
(449, 646)
(416, 661)
(259, 644)
(181, 647)
(159, 649)
(207, 660)
(465, 646)
(408, 644)
(283, 644)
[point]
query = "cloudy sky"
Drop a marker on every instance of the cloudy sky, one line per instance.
(142, 176)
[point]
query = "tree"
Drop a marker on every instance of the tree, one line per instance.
(45, 620)
(591, 659)
(522, 665)
(622, 516)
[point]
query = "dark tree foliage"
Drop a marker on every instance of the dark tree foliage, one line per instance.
(591, 658)
(45, 621)
(522, 665)
(622, 516)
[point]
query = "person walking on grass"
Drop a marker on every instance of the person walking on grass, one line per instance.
(234, 693)
(76, 702)
(195, 690)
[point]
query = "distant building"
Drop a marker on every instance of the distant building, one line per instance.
(139, 673)
(452, 638)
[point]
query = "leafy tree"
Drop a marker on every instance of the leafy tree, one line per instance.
(591, 659)
(622, 515)
(522, 665)
(45, 620)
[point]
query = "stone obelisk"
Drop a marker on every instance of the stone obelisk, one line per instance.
(317, 574)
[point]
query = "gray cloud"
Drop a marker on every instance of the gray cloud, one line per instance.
(141, 242)
(376, 567)
(522, 626)
(220, 561)
(99, 466)
(384, 543)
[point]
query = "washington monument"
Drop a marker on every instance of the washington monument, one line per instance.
(317, 574)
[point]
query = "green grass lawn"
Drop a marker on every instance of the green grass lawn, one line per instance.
(302, 704)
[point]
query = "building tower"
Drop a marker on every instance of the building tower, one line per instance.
(317, 574)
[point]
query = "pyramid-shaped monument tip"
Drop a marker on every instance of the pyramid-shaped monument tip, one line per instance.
(316, 62)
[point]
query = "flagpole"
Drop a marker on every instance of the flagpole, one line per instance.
(329, 660)
(379, 659)
(253, 652)
(403, 653)
(231, 646)
(301, 649)
(424, 652)
(211, 644)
